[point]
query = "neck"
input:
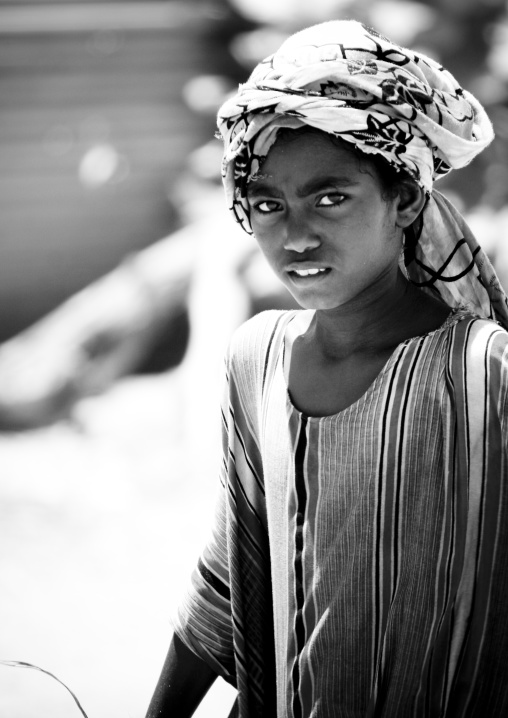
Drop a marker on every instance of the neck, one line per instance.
(371, 321)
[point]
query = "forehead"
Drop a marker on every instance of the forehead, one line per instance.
(296, 157)
(297, 145)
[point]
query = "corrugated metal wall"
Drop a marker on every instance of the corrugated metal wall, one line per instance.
(92, 130)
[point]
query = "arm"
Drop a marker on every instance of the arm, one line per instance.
(183, 683)
(203, 620)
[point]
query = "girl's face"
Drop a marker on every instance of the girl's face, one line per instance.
(322, 222)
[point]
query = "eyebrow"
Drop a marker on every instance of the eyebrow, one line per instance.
(262, 186)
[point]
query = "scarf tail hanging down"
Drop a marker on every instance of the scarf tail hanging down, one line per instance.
(345, 79)
(455, 266)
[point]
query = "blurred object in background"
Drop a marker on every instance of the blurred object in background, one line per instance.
(295, 14)
(98, 335)
(93, 126)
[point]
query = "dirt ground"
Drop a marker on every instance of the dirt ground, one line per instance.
(101, 520)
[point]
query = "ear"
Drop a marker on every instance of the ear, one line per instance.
(410, 202)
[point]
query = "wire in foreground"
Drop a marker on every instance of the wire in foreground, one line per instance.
(22, 664)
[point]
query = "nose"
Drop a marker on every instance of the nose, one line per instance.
(299, 236)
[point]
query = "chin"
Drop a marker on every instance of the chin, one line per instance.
(318, 303)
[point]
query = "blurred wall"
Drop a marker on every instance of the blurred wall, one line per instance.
(93, 127)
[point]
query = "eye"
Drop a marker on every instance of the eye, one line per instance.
(267, 206)
(332, 199)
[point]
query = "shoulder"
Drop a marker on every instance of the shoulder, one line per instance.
(475, 338)
(477, 371)
(478, 359)
(253, 339)
(247, 359)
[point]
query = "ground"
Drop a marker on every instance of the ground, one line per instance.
(101, 520)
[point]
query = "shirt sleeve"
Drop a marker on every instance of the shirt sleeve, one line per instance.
(231, 582)
(203, 619)
(479, 685)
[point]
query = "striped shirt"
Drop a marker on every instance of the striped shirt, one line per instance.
(358, 565)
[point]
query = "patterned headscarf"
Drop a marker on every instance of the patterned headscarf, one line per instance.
(347, 80)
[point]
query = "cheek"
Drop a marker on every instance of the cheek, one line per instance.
(266, 245)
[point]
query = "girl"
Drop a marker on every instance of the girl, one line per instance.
(358, 565)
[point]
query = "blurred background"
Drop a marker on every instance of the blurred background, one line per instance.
(121, 279)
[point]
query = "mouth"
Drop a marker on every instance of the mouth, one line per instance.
(308, 273)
